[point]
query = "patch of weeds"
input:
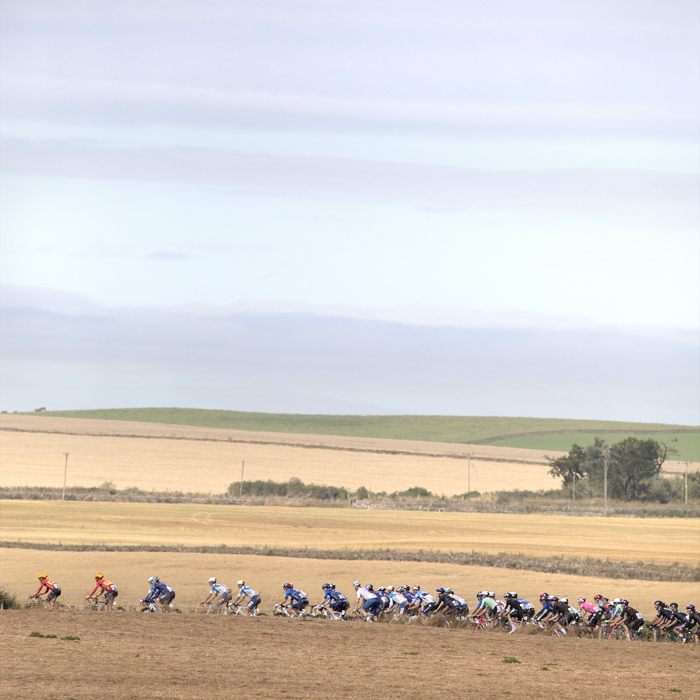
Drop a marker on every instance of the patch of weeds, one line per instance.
(411, 653)
(543, 668)
(43, 636)
(510, 660)
(71, 639)
(674, 690)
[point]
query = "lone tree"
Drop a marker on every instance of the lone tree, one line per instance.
(634, 464)
(571, 467)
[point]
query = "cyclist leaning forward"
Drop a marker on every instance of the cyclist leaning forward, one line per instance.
(107, 587)
(47, 586)
(217, 590)
(247, 592)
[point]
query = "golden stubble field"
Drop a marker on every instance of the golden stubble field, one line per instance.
(188, 573)
(664, 540)
(185, 458)
(181, 657)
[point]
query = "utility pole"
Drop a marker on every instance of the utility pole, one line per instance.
(65, 474)
(469, 473)
(242, 468)
(605, 488)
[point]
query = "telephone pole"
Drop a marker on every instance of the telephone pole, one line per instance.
(65, 474)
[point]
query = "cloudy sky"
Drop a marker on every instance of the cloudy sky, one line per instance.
(372, 207)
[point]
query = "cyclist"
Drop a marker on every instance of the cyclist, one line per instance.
(546, 612)
(405, 591)
(46, 585)
(335, 601)
(632, 620)
(386, 600)
(423, 601)
(244, 592)
(397, 600)
(517, 610)
(602, 611)
(109, 589)
(693, 621)
(159, 594)
(367, 600)
(664, 617)
(585, 609)
(217, 590)
(562, 614)
(450, 603)
(298, 599)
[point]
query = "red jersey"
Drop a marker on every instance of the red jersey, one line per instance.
(103, 584)
(50, 586)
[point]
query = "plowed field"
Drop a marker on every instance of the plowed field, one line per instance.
(134, 656)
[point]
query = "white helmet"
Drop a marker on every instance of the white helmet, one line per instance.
(492, 594)
(563, 600)
(356, 584)
(241, 583)
(153, 579)
(616, 600)
(212, 579)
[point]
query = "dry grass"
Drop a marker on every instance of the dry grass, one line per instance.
(202, 459)
(621, 539)
(188, 574)
(178, 657)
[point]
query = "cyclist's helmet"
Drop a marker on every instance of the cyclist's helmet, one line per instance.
(240, 583)
(154, 579)
(448, 590)
(480, 594)
(624, 601)
(41, 577)
(616, 600)
(381, 588)
(543, 597)
(390, 589)
(563, 600)
(287, 585)
(491, 594)
(325, 586)
(597, 597)
(659, 604)
(369, 587)
(581, 600)
(673, 605)
(212, 580)
(552, 599)
(690, 607)
(415, 588)
(99, 575)
(510, 594)
(356, 584)
(332, 585)
(439, 590)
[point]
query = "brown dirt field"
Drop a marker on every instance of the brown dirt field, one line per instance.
(664, 540)
(202, 459)
(188, 575)
(134, 656)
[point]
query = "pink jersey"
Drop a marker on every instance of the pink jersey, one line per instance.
(587, 607)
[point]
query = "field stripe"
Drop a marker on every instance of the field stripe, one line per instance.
(554, 565)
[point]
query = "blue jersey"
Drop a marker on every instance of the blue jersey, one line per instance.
(336, 597)
(158, 590)
(408, 596)
(295, 594)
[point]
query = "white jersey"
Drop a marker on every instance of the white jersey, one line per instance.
(397, 598)
(365, 594)
(426, 597)
(247, 591)
(219, 589)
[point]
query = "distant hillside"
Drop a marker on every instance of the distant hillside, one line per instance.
(533, 433)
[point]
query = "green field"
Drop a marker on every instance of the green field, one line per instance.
(534, 433)
(686, 444)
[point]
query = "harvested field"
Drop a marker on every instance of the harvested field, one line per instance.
(664, 540)
(184, 458)
(188, 575)
(182, 657)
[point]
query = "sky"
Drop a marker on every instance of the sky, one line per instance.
(379, 207)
